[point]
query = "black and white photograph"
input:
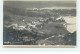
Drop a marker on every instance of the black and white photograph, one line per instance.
(39, 23)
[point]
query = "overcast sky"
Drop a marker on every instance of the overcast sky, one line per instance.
(40, 4)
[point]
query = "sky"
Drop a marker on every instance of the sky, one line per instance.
(39, 4)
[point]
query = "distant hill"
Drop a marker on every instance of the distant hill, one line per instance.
(21, 25)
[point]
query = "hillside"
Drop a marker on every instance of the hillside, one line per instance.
(28, 27)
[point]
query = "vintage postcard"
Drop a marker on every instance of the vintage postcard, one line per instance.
(39, 23)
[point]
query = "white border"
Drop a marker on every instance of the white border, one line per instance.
(77, 49)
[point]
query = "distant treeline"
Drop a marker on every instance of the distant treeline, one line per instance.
(41, 13)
